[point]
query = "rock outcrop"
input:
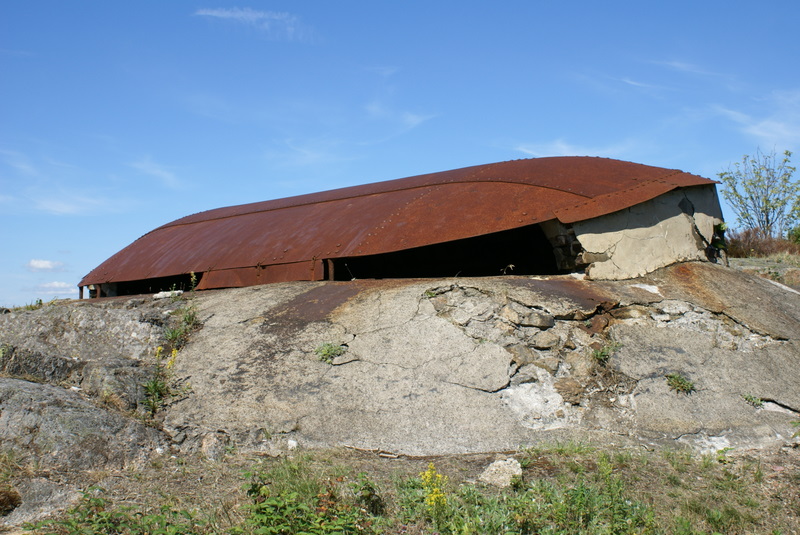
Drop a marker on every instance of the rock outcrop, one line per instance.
(467, 365)
(414, 367)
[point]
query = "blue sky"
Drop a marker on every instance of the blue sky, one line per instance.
(118, 117)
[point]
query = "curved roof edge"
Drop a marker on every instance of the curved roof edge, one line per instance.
(289, 237)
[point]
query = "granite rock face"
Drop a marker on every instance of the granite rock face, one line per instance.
(71, 392)
(62, 430)
(101, 348)
(421, 367)
(471, 365)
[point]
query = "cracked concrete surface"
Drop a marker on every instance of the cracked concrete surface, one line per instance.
(466, 365)
(673, 227)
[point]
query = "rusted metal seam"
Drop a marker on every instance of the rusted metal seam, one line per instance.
(600, 198)
(337, 199)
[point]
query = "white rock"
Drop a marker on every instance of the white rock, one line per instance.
(501, 473)
(164, 295)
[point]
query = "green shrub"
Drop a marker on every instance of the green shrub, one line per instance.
(291, 499)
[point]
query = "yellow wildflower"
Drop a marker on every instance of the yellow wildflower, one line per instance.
(433, 482)
(171, 361)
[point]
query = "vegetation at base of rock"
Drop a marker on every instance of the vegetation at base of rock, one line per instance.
(290, 498)
(36, 304)
(679, 383)
(328, 351)
(95, 515)
(565, 489)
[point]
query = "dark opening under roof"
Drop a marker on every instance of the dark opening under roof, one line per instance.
(292, 238)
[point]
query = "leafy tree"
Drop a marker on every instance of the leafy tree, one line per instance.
(761, 192)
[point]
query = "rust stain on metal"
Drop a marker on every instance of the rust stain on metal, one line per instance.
(295, 238)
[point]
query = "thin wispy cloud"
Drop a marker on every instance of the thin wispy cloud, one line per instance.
(46, 185)
(406, 120)
(161, 172)
(384, 71)
(70, 204)
(733, 115)
(18, 162)
(559, 147)
(778, 127)
(36, 264)
(15, 53)
(641, 85)
(276, 25)
(63, 202)
(698, 73)
(213, 107)
(292, 152)
(686, 67)
(56, 288)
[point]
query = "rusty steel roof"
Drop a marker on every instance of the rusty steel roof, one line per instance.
(286, 239)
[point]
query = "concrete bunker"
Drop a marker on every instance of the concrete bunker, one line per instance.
(611, 219)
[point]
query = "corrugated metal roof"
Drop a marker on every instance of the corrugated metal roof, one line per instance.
(286, 239)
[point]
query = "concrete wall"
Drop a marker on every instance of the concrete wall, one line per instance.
(673, 227)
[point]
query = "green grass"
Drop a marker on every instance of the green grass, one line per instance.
(186, 322)
(753, 400)
(327, 352)
(680, 383)
(615, 491)
(601, 356)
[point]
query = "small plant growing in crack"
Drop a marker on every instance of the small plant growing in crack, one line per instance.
(753, 400)
(163, 386)
(328, 351)
(187, 321)
(679, 383)
(602, 355)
